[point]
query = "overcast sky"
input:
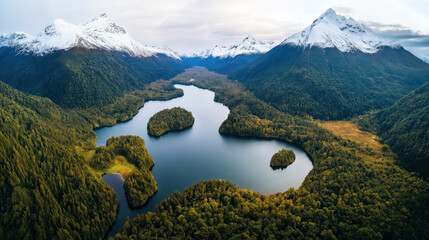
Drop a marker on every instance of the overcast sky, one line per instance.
(192, 26)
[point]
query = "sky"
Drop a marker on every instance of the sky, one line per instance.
(190, 26)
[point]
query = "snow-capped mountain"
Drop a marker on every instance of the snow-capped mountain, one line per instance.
(247, 47)
(334, 69)
(100, 33)
(334, 31)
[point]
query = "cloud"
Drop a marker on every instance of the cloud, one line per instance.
(413, 41)
(400, 33)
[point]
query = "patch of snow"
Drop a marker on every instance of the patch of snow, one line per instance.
(14, 39)
(334, 31)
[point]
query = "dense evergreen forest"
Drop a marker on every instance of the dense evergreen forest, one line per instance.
(46, 189)
(282, 159)
(168, 120)
(328, 84)
(405, 128)
(352, 192)
(51, 187)
(126, 106)
(139, 185)
(50, 182)
(82, 78)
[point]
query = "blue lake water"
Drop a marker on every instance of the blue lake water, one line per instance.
(201, 153)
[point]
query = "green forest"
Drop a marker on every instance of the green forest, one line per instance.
(282, 159)
(404, 126)
(328, 84)
(47, 192)
(167, 120)
(51, 185)
(139, 185)
(352, 192)
(50, 169)
(83, 78)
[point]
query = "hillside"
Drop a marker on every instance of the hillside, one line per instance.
(82, 65)
(330, 79)
(405, 128)
(81, 77)
(44, 184)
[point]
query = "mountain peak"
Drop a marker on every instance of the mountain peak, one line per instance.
(329, 12)
(331, 30)
(100, 32)
(249, 38)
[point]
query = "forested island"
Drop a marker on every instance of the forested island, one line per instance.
(282, 159)
(128, 156)
(174, 119)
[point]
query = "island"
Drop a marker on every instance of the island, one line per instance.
(167, 120)
(128, 156)
(282, 159)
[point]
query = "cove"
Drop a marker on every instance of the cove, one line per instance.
(201, 153)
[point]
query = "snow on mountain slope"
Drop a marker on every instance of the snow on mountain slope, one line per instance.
(100, 33)
(334, 31)
(15, 39)
(248, 46)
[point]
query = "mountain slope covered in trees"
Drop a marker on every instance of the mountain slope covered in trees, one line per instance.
(83, 78)
(404, 126)
(46, 190)
(330, 84)
(335, 68)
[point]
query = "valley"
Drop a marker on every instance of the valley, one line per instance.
(201, 153)
(103, 137)
(340, 167)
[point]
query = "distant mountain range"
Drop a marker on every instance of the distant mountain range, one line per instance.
(333, 69)
(248, 46)
(84, 65)
(225, 59)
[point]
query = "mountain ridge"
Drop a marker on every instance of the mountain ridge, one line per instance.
(99, 33)
(330, 30)
(248, 46)
(330, 83)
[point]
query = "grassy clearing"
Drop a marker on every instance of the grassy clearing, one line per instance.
(122, 166)
(351, 131)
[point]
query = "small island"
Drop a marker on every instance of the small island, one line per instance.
(128, 156)
(282, 159)
(168, 120)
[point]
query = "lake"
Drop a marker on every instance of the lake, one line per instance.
(201, 153)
